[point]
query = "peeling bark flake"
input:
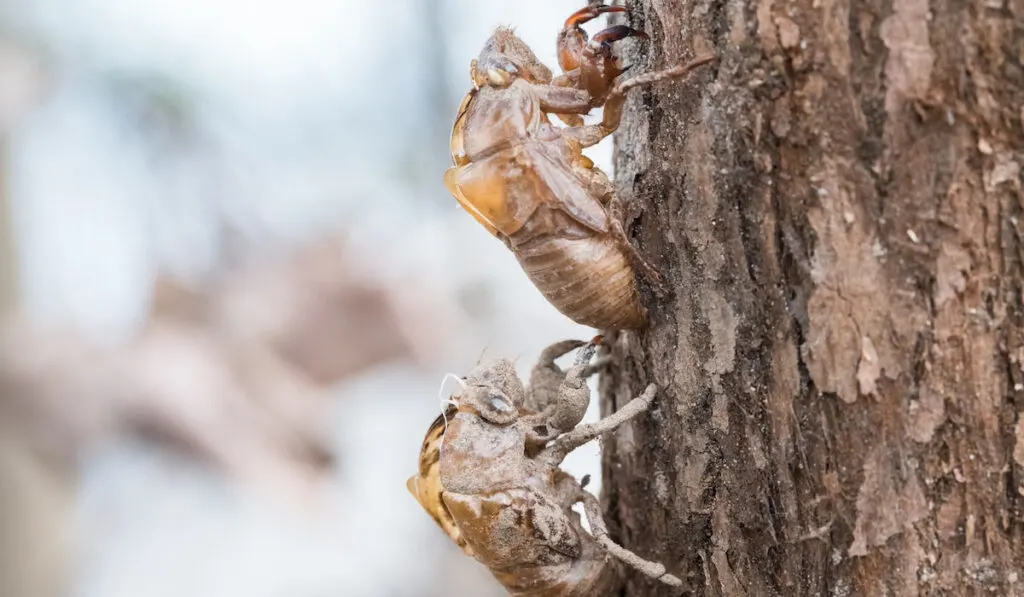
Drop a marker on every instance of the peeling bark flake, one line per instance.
(886, 503)
(1018, 449)
(908, 69)
(869, 368)
(925, 415)
(951, 265)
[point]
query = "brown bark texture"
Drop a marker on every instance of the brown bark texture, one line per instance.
(837, 206)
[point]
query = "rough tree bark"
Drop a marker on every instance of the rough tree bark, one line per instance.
(838, 207)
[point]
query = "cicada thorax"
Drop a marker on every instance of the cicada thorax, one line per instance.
(532, 188)
(478, 457)
(514, 517)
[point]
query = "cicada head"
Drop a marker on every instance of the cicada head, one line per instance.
(505, 58)
(494, 392)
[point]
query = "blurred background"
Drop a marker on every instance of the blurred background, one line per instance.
(231, 282)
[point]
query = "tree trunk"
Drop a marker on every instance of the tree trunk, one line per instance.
(837, 207)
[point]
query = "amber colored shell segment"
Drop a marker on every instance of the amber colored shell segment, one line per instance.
(591, 283)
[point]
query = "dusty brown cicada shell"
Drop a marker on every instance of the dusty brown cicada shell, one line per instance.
(489, 475)
(527, 180)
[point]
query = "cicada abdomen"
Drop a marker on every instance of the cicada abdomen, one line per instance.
(590, 280)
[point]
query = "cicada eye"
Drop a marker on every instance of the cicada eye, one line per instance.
(502, 74)
(500, 403)
(498, 408)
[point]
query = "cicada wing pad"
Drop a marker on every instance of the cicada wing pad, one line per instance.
(504, 190)
(492, 190)
(458, 142)
(450, 181)
(426, 486)
(560, 188)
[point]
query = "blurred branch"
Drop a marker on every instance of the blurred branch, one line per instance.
(311, 308)
(439, 90)
(422, 159)
(35, 500)
(8, 257)
(21, 85)
(35, 518)
(235, 374)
